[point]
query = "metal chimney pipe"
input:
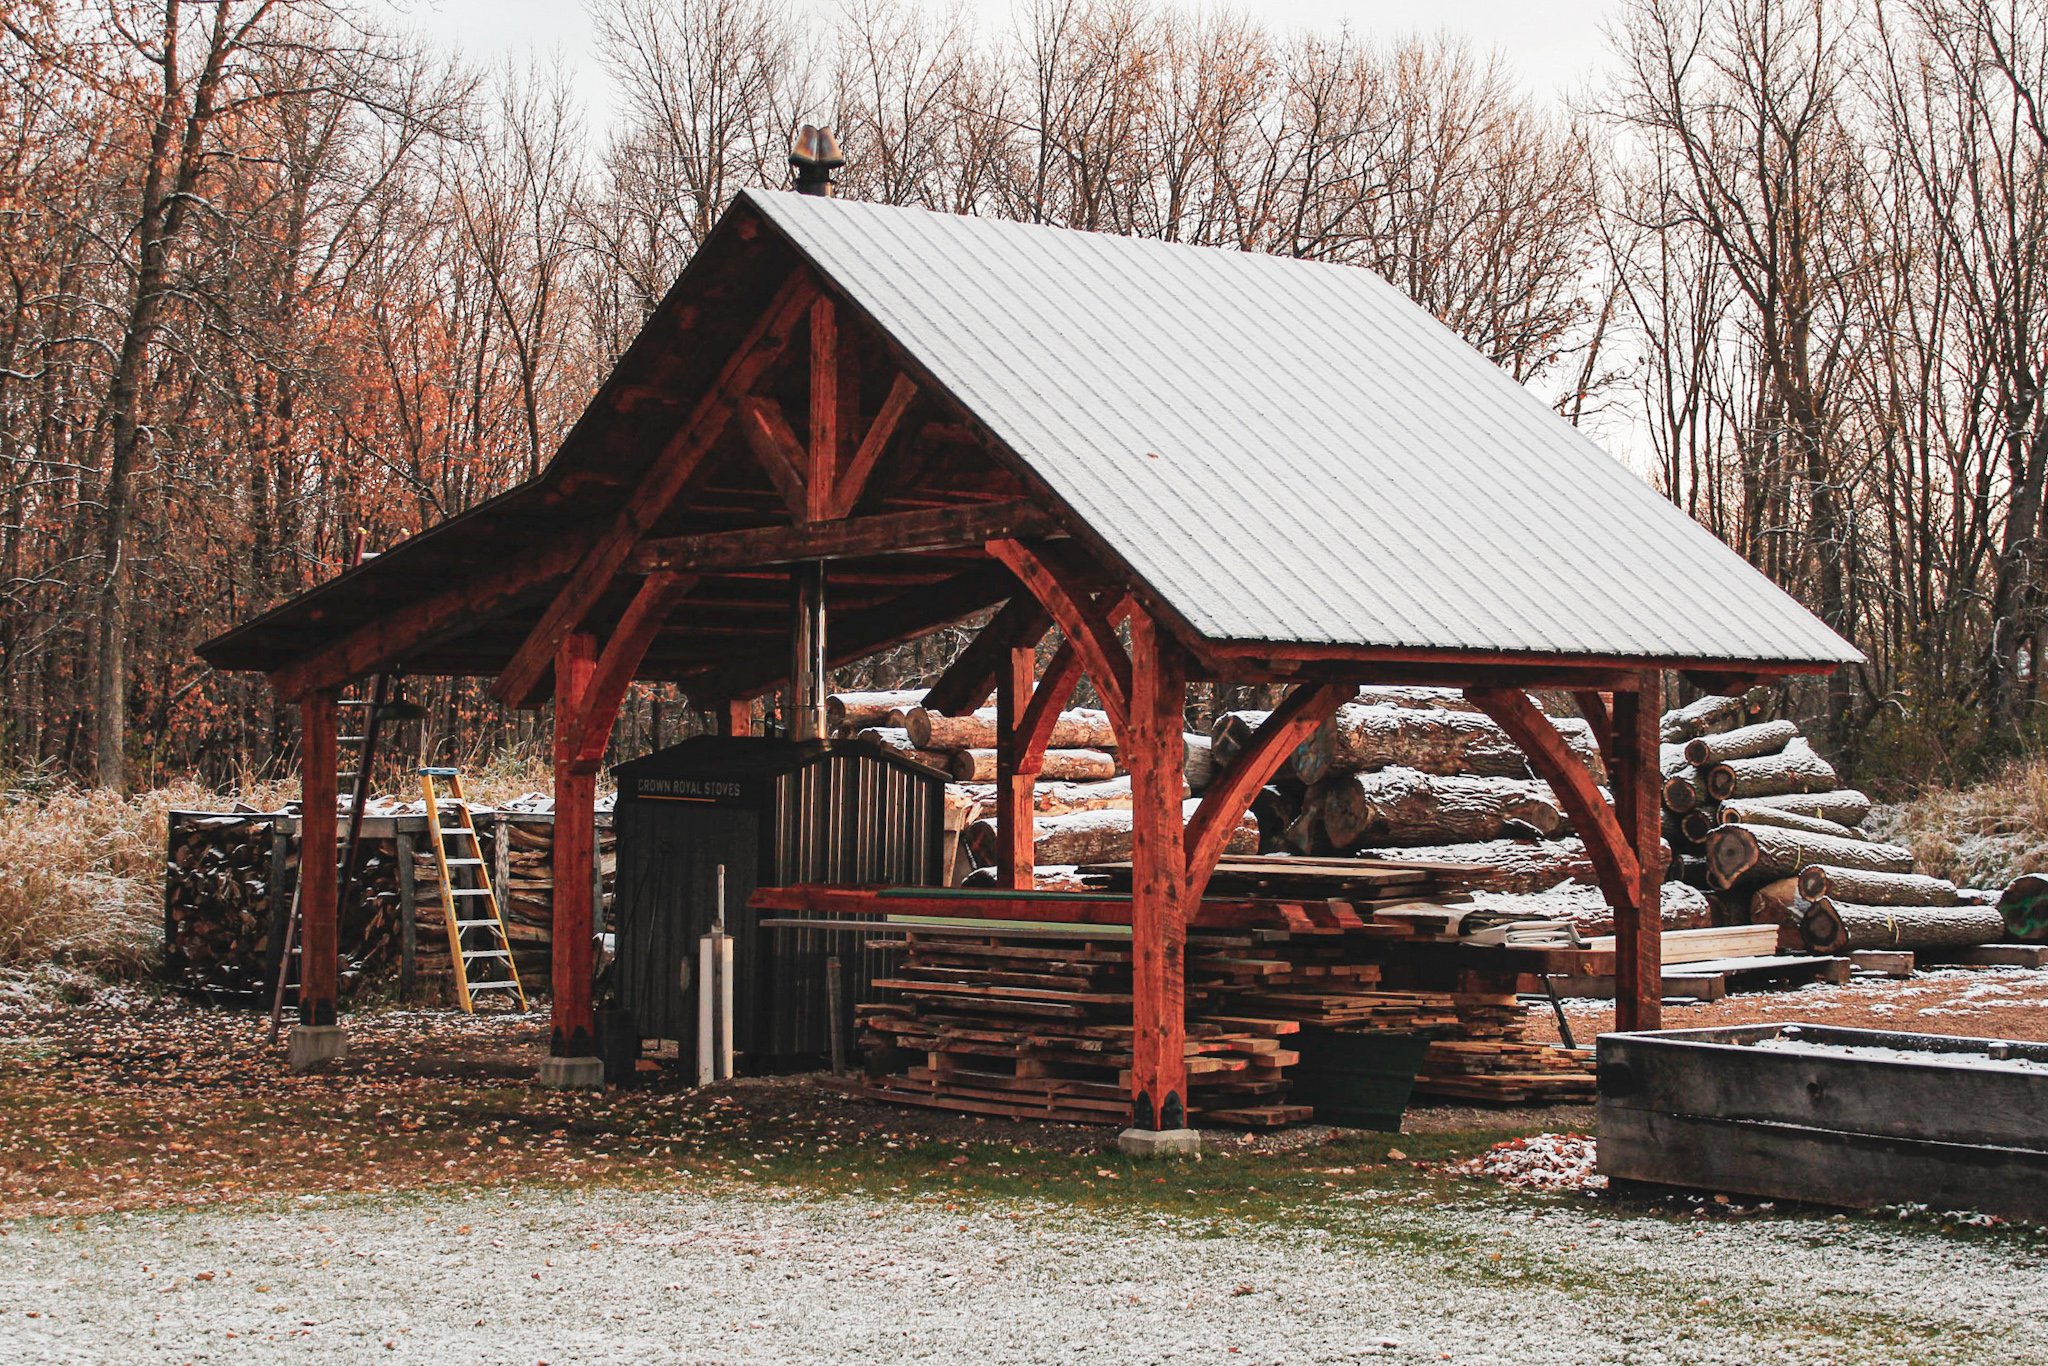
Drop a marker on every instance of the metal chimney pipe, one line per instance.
(815, 155)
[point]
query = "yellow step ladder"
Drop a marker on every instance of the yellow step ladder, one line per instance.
(478, 946)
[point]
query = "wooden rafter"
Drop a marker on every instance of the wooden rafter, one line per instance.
(764, 344)
(971, 677)
(773, 442)
(1307, 706)
(1056, 582)
(853, 479)
(1607, 848)
(858, 634)
(891, 533)
(385, 641)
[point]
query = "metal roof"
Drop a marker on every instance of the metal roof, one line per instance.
(1291, 451)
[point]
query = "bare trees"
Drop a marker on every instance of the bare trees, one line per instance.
(1829, 223)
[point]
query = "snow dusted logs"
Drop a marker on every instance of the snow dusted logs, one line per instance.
(1876, 889)
(1844, 807)
(1749, 855)
(1831, 926)
(1710, 716)
(1363, 737)
(1063, 799)
(1061, 766)
(1510, 865)
(847, 712)
(1794, 769)
(1102, 836)
(1077, 728)
(1757, 813)
(1767, 737)
(1402, 806)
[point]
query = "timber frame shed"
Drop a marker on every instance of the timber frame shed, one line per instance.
(1255, 469)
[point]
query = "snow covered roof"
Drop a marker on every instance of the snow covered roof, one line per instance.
(1294, 452)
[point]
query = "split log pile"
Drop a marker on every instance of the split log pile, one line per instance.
(223, 922)
(227, 895)
(1766, 826)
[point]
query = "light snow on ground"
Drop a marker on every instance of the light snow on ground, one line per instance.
(755, 1275)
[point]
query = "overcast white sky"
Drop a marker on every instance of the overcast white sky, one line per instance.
(1552, 44)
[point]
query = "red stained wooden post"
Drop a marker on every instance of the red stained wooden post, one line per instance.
(572, 1034)
(1159, 907)
(1016, 771)
(1638, 930)
(736, 718)
(319, 938)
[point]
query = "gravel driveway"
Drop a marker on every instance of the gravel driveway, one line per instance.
(750, 1275)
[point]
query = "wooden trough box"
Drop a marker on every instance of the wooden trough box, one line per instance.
(1856, 1117)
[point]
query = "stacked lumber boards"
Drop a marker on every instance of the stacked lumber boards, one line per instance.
(1039, 1027)
(1768, 827)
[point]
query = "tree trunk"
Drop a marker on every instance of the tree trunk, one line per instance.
(1831, 926)
(1708, 716)
(1403, 806)
(1779, 903)
(2025, 907)
(1200, 766)
(849, 711)
(1769, 737)
(1844, 806)
(1797, 769)
(1750, 854)
(1867, 888)
(1364, 738)
(1231, 733)
(1098, 836)
(1061, 766)
(1079, 728)
(1756, 813)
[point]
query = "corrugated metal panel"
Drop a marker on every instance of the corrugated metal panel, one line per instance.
(774, 813)
(1293, 451)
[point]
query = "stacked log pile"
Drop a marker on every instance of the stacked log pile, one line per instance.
(229, 878)
(1082, 794)
(1766, 826)
(227, 894)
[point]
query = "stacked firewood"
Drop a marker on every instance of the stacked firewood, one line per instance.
(229, 879)
(227, 895)
(1765, 824)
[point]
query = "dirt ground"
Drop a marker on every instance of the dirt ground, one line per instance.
(1996, 1003)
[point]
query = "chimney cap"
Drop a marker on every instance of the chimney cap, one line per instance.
(815, 155)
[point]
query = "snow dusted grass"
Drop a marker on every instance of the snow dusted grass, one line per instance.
(1983, 835)
(720, 1273)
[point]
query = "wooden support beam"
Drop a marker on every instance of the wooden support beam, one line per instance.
(857, 634)
(835, 409)
(385, 641)
(1230, 794)
(773, 442)
(1634, 774)
(319, 919)
(598, 708)
(1056, 581)
(736, 718)
(1607, 847)
(1015, 856)
(971, 677)
(894, 533)
(572, 1031)
(853, 480)
(766, 341)
(1155, 717)
(1598, 709)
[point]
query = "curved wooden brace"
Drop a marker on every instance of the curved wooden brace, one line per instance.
(971, 677)
(1613, 859)
(1053, 581)
(598, 707)
(1293, 721)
